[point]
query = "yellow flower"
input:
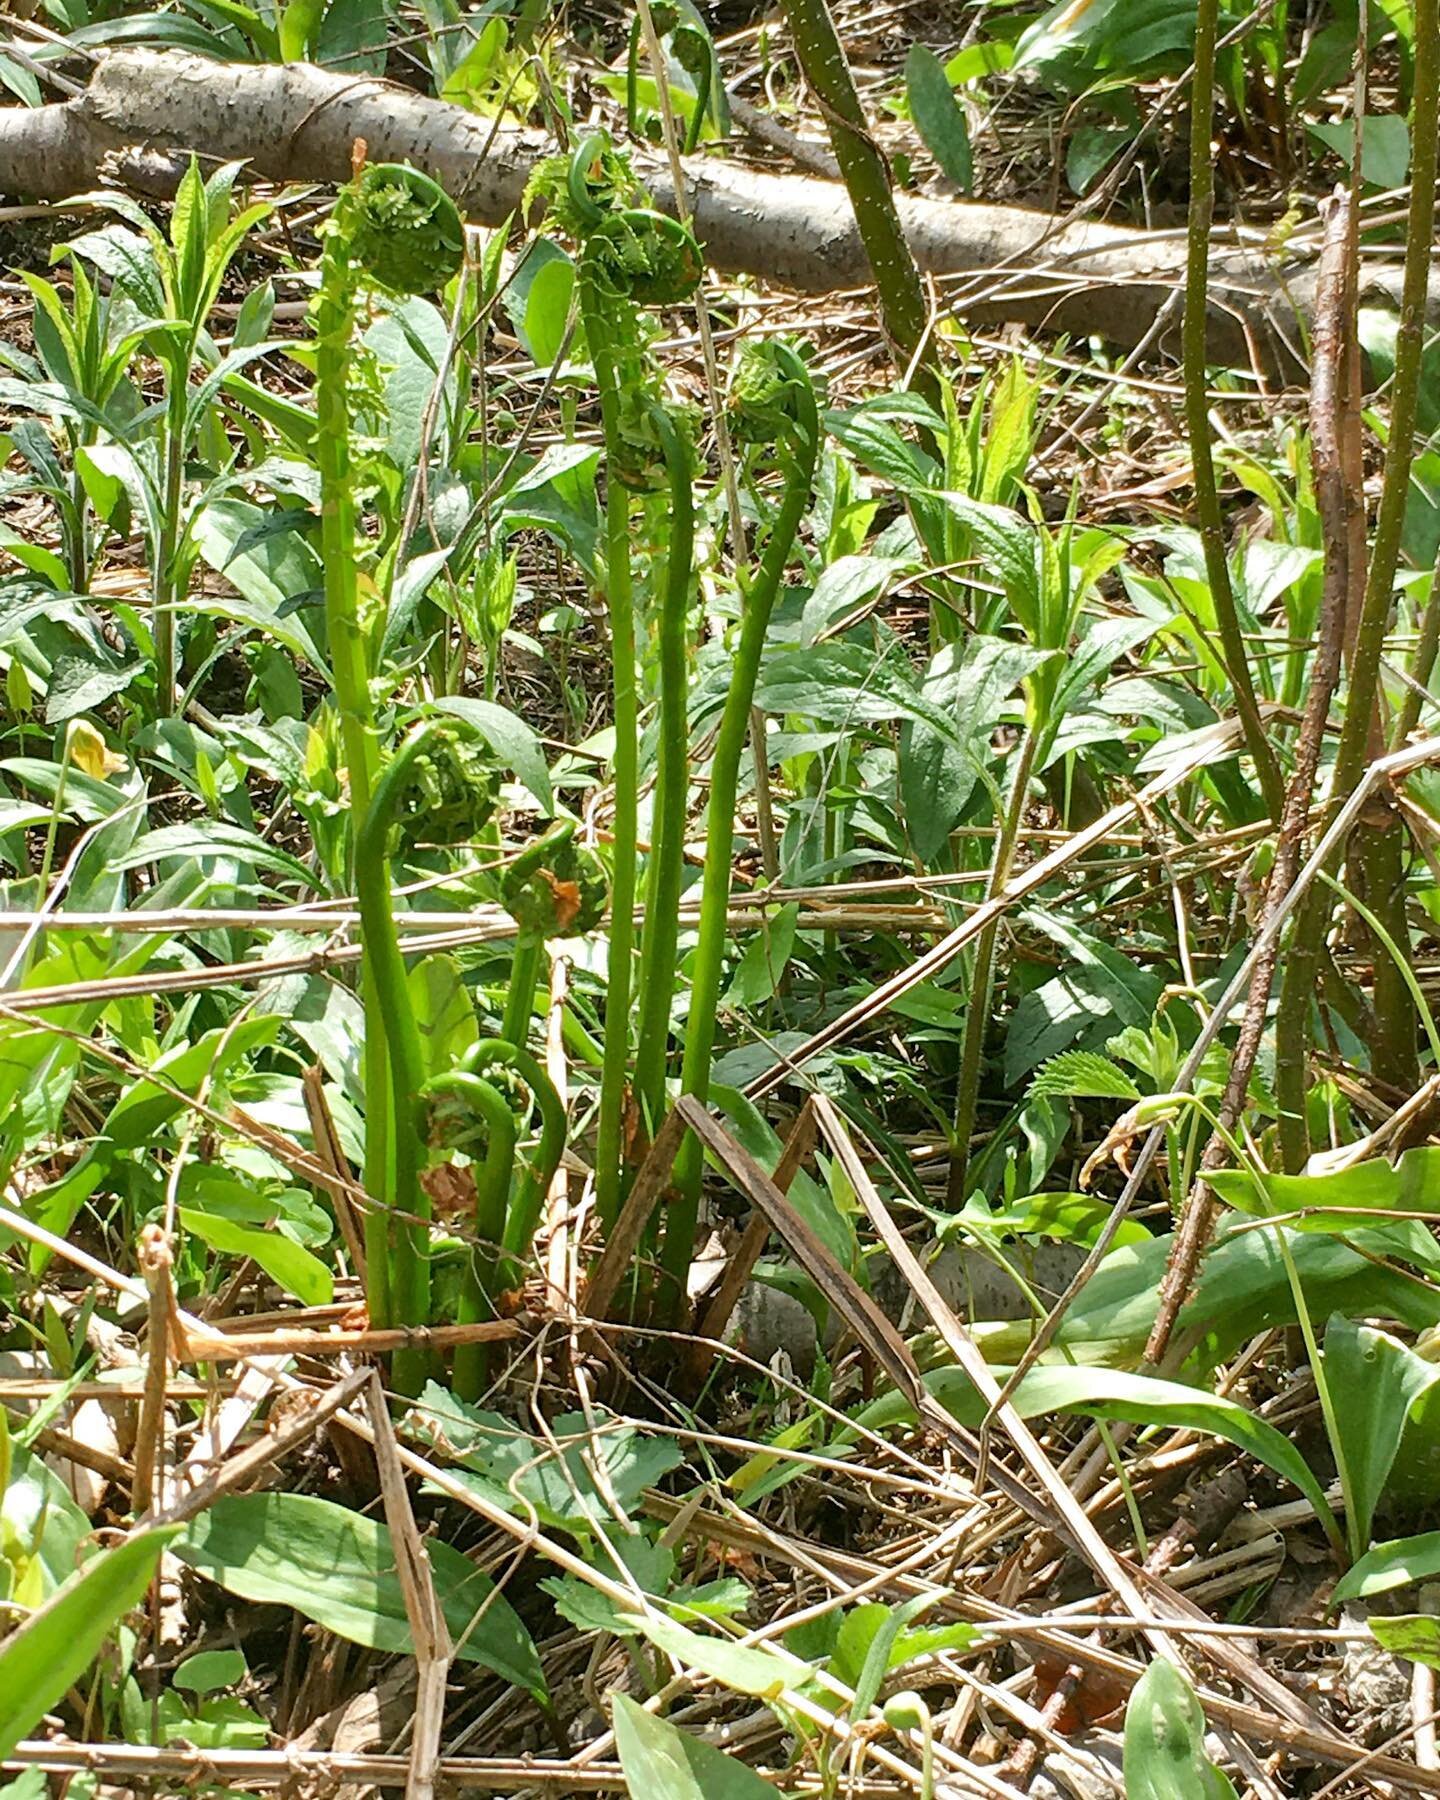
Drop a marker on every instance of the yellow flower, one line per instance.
(89, 752)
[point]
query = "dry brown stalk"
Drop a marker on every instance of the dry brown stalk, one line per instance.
(1306, 1735)
(429, 1633)
(624, 1240)
(157, 1265)
(231, 1346)
(331, 1152)
(1338, 502)
(1059, 1507)
(743, 1258)
(299, 1422)
(1198, 1524)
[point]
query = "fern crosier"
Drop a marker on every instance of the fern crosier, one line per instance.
(394, 228)
(630, 258)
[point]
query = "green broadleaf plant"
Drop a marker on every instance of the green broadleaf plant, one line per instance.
(1165, 1741)
(59, 1640)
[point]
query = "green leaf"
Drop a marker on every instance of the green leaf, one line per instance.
(210, 1670)
(1397, 1563)
(1384, 152)
(537, 298)
(662, 1762)
(1165, 1741)
(271, 571)
(510, 738)
(208, 840)
(1243, 1288)
(287, 1263)
(477, 68)
(338, 1568)
(1072, 1218)
(299, 26)
(743, 1668)
(1340, 1201)
(1376, 1380)
(966, 684)
(523, 1473)
(846, 684)
(36, 558)
(409, 343)
(764, 959)
(1083, 1074)
(975, 60)
(846, 583)
(352, 37)
(1101, 1393)
(1091, 149)
(146, 1106)
(875, 1639)
(938, 116)
(1097, 990)
(444, 1013)
(56, 1644)
(1006, 544)
(43, 1533)
(142, 1112)
(1415, 1636)
(33, 1784)
(79, 684)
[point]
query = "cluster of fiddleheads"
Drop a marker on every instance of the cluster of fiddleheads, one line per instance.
(631, 258)
(437, 758)
(480, 1108)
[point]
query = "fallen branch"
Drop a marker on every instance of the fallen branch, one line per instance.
(295, 122)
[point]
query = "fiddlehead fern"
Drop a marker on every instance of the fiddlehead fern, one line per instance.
(552, 889)
(436, 758)
(672, 781)
(509, 1192)
(773, 403)
(631, 257)
(395, 228)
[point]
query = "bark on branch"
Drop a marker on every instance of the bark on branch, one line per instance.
(295, 122)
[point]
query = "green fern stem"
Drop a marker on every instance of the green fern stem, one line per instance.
(664, 874)
(402, 1242)
(538, 1169)
(520, 999)
(334, 323)
(802, 453)
(982, 977)
(396, 228)
(620, 604)
(470, 1367)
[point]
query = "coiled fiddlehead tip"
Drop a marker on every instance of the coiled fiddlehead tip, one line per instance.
(556, 888)
(404, 230)
(771, 393)
(631, 251)
(642, 255)
(452, 789)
